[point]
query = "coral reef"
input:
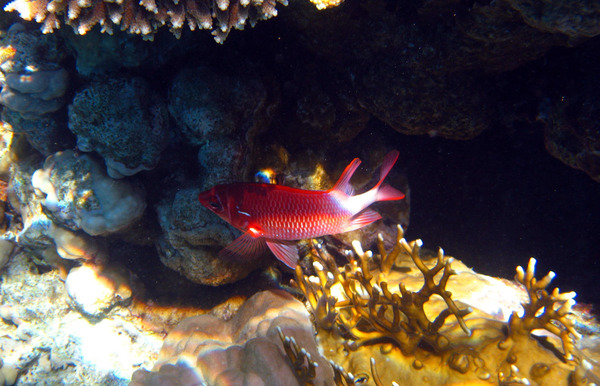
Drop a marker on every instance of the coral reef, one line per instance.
(124, 121)
(421, 69)
(147, 16)
(412, 337)
(98, 53)
(251, 348)
(221, 111)
(33, 86)
(79, 195)
(43, 339)
(95, 290)
(192, 238)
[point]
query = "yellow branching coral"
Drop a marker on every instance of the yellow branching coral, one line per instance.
(381, 320)
(146, 16)
(548, 311)
(302, 363)
(368, 311)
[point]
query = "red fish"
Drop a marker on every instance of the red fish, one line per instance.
(275, 216)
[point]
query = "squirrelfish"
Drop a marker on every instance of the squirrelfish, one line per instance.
(275, 216)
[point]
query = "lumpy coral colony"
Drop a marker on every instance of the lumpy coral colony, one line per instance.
(146, 16)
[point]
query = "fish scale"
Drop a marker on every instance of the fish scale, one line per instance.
(292, 216)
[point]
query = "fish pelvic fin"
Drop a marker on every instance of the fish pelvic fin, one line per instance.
(343, 184)
(243, 248)
(286, 252)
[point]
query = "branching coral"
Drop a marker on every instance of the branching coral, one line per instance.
(373, 333)
(146, 16)
(547, 311)
(369, 311)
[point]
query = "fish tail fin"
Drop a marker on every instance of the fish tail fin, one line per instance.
(386, 192)
(343, 184)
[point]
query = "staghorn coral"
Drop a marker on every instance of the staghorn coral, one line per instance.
(547, 311)
(146, 16)
(370, 310)
(373, 333)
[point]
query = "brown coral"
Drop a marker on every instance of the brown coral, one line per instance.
(371, 332)
(368, 310)
(146, 16)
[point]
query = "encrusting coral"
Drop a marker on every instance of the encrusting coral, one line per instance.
(422, 333)
(146, 16)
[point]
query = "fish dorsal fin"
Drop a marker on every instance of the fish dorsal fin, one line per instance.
(362, 219)
(243, 248)
(387, 165)
(285, 252)
(343, 184)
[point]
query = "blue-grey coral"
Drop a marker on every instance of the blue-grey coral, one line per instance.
(146, 16)
(33, 82)
(123, 120)
(81, 196)
(33, 87)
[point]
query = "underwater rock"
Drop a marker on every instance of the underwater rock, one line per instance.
(45, 134)
(6, 250)
(247, 349)
(424, 69)
(80, 195)
(124, 121)
(97, 53)
(95, 290)
(22, 197)
(7, 156)
(80, 246)
(210, 103)
(221, 162)
(192, 238)
(569, 109)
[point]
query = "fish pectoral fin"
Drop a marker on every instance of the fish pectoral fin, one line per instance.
(286, 252)
(244, 247)
(362, 219)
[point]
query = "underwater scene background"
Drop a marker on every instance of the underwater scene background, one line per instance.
(117, 115)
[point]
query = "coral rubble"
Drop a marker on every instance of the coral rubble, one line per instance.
(146, 16)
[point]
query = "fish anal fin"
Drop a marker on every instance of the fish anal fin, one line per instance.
(243, 248)
(362, 219)
(285, 252)
(343, 184)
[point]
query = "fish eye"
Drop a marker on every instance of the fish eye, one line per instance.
(215, 205)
